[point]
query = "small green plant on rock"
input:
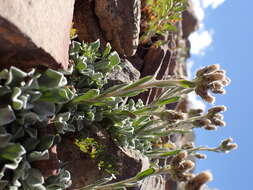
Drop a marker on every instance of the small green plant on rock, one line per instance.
(161, 17)
(97, 152)
(89, 146)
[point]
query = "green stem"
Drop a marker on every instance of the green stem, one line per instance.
(129, 182)
(152, 84)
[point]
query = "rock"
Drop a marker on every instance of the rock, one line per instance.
(84, 170)
(86, 22)
(120, 22)
(156, 62)
(35, 33)
(113, 21)
(137, 62)
(50, 167)
(127, 74)
(154, 183)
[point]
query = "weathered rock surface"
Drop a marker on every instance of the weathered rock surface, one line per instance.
(35, 33)
(126, 75)
(120, 22)
(117, 22)
(84, 170)
(159, 61)
(86, 22)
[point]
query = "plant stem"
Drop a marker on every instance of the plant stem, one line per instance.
(129, 182)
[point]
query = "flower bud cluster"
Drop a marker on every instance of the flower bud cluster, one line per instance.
(213, 79)
(195, 112)
(198, 181)
(171, 116)
(212, 119)
(227, 145)
(181, 167)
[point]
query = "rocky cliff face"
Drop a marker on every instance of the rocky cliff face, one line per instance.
(36, 34)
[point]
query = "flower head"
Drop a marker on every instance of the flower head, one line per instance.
(199, 180)
(211, 78)
(227, 145)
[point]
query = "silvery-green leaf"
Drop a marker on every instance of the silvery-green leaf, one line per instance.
(28, 118)
(86, 96)
(45, 142)
(12, 165)
(30, 144)
(4, 90)
(90, 116)
(114, 59)
(145, 110)
(3, 184)
(101, 65)
(140, 82)
(113, 89)
(15, 76)
(35, 95)
(32, 84)
(57, 95)
(21, 171)
(38, 155)
(17, 104)
(168, 101)
(16, 183)
(95, 45)
(74, 48)
(35, 177)
(13, 188)
(69, 128)
(39, 187)
(98, 76)
(7, 115)
(132, 93)
(31, 72)
(12, 152)
(81, 65)
(69, 93)
(32, 132)
(107, 49)
(17, 132)
(52, 79)
(25, 98)
(63, 180)
(62, 117)
(4, 74)
(4, 139)
(44, 109)
(67, 71)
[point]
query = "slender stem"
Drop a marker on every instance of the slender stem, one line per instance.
(203, 149)
(152, 84)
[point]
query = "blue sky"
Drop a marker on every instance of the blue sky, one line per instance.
(225, 37)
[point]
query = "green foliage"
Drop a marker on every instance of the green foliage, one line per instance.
(97, 151)
(31, 100)
(161, 16)
(70, 100)
(89, 146)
